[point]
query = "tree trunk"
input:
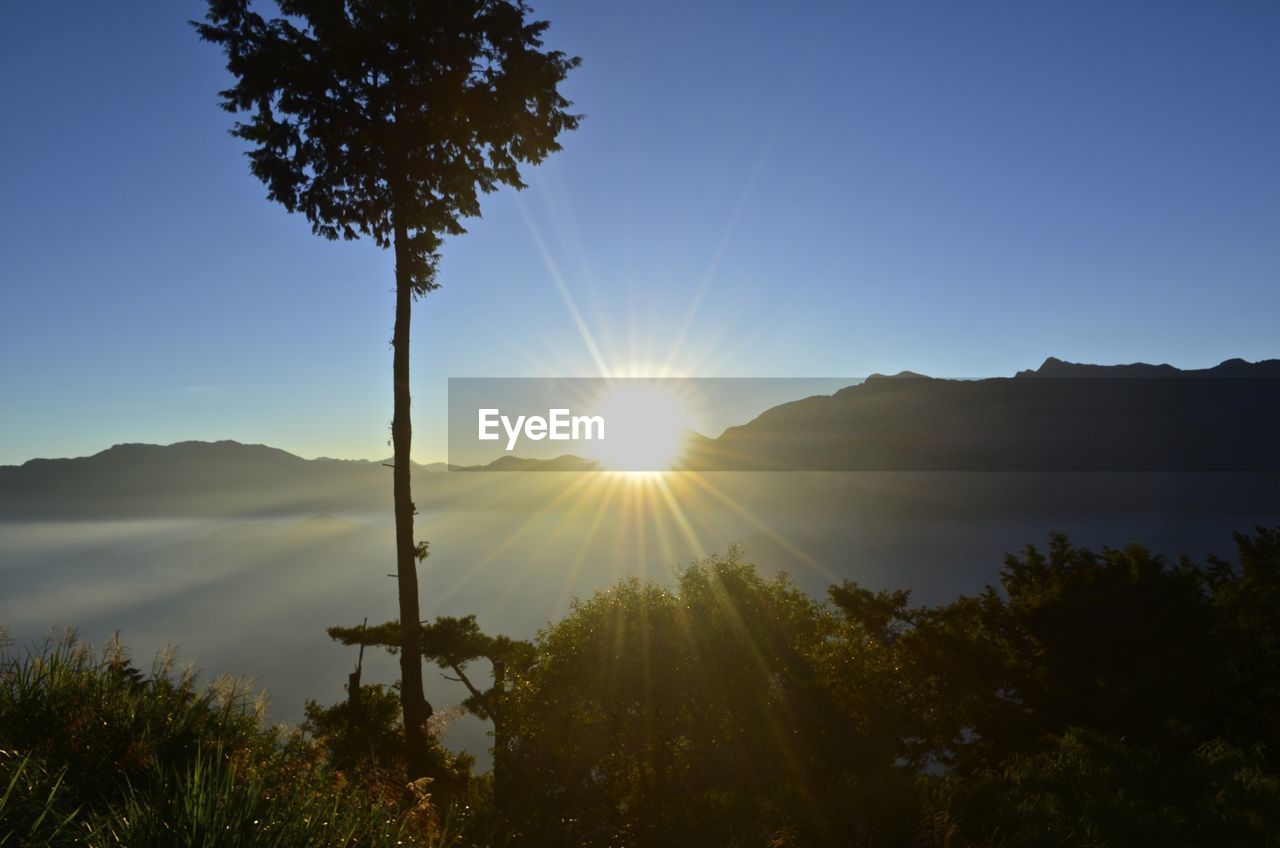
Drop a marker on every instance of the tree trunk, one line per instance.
(497, 713)
(355, 705)
(413, 703)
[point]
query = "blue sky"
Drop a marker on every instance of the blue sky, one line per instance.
(804, 190)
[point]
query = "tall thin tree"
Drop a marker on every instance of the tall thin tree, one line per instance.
(388, 119)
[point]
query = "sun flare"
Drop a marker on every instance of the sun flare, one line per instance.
(648, 423)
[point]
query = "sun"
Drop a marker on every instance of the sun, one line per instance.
(646, 424)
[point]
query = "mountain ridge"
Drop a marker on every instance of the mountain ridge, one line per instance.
(1061, 416)
(263, 451)
(1235, 367)
(1107, 419)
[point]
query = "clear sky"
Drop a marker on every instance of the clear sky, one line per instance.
(781, 189)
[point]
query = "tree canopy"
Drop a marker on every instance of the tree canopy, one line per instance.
(1085, 698)
(372, 116)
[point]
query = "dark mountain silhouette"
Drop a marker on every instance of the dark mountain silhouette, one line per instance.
(1054, 367)
(564, 462)
(190, 478)
(1060, 417)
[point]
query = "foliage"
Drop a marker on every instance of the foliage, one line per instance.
(94, 752)
(389, 119)
(1087, 699)
(370, 748)
(696, 714)
(455, 644)
(31, 812)
(219, 802)
(1084, 789)
(109, 725)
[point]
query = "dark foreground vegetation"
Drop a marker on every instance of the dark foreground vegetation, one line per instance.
(1089, 699)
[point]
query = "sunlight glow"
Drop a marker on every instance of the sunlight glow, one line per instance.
(648, 422)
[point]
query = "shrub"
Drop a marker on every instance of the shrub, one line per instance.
(96, 753)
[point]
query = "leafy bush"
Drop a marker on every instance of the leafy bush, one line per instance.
(1088, 699)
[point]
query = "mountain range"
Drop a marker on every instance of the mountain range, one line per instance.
(1060, 417)
(217, 545)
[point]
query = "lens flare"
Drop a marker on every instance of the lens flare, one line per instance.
(647, 422)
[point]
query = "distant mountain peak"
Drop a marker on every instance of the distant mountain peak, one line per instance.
(195, 446)
(901, 375)
(510, 462)
(1055, 367)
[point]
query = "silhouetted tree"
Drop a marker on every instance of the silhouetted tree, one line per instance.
(687, 716)
(1246, 597)
(387, 119)
(454, 644)
(1087, 698)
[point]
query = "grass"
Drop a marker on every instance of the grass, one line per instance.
(96, 753)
